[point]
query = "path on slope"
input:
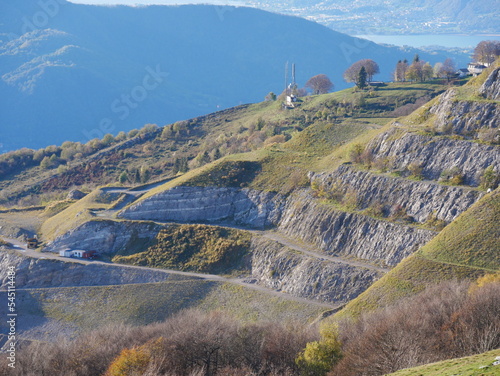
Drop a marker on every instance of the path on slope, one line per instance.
(130, 195)
(297, 245)
(21, 248)
(308, 249)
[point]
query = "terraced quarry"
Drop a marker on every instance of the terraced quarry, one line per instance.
(356, 208)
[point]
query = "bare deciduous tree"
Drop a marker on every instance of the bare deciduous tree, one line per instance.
(448, 69)
(400, 72)
(319, 84)
(487, 51)
(445, 321)
(352, 73)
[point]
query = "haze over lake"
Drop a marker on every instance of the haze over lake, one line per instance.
(462, 41)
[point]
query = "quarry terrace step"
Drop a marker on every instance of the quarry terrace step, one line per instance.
(435, 154)
(420, 199)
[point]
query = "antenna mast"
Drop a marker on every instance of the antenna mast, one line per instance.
(286, 78)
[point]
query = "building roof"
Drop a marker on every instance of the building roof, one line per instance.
(476, 65)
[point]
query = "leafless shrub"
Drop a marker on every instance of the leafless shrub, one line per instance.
(89, 354)
(408, 108)
(190, 343)
(444, 321)
(475, 327)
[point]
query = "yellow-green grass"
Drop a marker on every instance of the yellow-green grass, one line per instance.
(396, 90)
(473, 238)
(341, 154)
(408, 278)
(480, 79)
(139, 304)
(56, 207)
(251, 305)
(422, 118)
(30, 221)
(182, 179)
(76, 214)
(456, 253)
(323, 144)
(475, 365)
(282, 166)
(202, 135)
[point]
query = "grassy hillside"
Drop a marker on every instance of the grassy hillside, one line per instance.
(476, 365)
(77, 213)
(466, 249)
(139, 304)
(315, 128)
(320, 132)
(472, 239)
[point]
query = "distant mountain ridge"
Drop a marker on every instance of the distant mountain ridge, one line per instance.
(394, 16)
(75, 72)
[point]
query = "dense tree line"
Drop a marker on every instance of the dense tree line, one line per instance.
(446, 321)
(54, 156)
(190, 343)
(453, 319)
(420, 70)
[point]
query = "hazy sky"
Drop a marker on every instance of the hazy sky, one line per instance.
(167, 2)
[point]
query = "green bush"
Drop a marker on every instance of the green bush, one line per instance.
(489, 179)
(198, 248)
(320, 356)
(415, 171)
(453, 176)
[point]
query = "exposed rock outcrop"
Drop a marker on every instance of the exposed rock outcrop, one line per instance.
(35, 273)
(420, 199)
(282, 269)
(466, 117)
(75, 194)
(210, 204)
(332, 231)
(436, 154)
(349, 234)
(491, 87)
(298, 216)
(105, 236)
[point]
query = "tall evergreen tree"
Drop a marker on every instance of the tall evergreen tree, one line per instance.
(361, 82)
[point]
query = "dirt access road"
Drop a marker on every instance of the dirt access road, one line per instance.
(22, 249)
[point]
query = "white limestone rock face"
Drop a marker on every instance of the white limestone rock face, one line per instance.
(105, 236)
(39, 273)
(420, 199)
(209, 204)
(436, 154)
(282, 269)
(465, 117)
(491, 87)
(350, 234)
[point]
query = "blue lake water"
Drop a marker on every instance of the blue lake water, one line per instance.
(461, 41)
